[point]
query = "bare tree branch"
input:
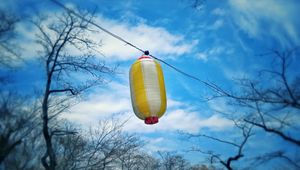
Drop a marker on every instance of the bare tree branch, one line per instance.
(8, 49)
(247, 133)
(277, 132)
(56, 38)
(62, 90)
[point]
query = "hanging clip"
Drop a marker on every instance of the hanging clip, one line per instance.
(146, 55)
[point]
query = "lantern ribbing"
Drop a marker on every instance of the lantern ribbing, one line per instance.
(147, 89)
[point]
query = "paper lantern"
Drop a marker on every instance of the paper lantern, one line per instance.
(148, 94)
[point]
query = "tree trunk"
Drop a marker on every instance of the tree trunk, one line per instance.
(49, 150)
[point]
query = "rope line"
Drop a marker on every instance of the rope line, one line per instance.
(214, 87)
(136, 47)
(96, 25)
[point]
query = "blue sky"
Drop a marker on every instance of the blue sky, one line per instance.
(219, 42)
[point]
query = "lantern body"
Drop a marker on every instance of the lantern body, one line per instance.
(148, 94)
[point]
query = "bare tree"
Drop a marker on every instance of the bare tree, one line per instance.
(57, 36)
(28, 153)
(201, 167)
(108, 144)
(132, 160)
(262, 159)
(69, 144)
(101, 147)
(130, 156)
(173, 161)
(8, 49)
(246, 131)
(8, 52)
(138, 160)
(18, 118)
(275, 103)
(271, 101)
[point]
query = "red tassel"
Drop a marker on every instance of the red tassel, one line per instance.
(151, 120)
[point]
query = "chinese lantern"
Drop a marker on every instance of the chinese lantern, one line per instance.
(148, 94)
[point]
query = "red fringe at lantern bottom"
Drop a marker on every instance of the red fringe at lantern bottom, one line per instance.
(151, 120)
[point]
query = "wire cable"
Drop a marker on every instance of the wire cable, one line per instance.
(184, 73)
(96, 25)
(214, 87)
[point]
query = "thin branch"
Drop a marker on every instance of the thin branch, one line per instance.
(63, 132)
(214, 138)
(279, 133)
(62, 90)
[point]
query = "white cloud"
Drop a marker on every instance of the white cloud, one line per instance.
(202, 56)
(219, 105)
(217, 24)
(182, 120)
(155, 39)
(236, 72)
(218, 12)
(101, 103)
(174, 104)
(116, 100)
(152, 145)
(275, 18)
(27, 40)
(217, 122)
(214, 52)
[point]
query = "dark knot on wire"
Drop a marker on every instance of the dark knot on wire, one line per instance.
(146, 52)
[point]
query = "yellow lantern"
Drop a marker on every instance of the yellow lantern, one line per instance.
(148, 94)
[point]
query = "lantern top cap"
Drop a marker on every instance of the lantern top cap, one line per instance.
(144, 57)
